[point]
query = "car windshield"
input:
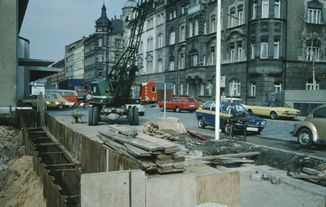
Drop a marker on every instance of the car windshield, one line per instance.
(232, 108)
(191, 100)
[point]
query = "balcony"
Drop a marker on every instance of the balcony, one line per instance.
(194, 8)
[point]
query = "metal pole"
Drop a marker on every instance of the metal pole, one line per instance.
(164, 100)
(218, 71)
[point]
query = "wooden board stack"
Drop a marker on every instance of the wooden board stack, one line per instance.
(152, 154)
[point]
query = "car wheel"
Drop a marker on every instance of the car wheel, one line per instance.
(227, 129)
(201, 123)
(135, 115)
(60, 107)
(177, 109)
(305, 137)
(250, 111)
(273, 115)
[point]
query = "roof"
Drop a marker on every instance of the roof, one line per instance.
(117, 26)
(34, 62)
(103, 20)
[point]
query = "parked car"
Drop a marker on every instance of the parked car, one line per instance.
(312, 129)
(234, 115)
(179, 104)
(69, 95)
(53, 100)
(273, 109)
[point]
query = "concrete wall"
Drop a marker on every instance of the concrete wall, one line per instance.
(8, 56)
(198, 184)
(303, 96)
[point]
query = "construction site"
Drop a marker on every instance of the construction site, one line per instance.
(52, 161)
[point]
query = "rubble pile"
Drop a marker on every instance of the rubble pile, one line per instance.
(11, 141)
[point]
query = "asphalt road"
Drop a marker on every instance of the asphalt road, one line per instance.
(276, 133)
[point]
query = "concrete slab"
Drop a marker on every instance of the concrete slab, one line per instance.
(172, 190)
(113, 189)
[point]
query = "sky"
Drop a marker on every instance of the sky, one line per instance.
(51, 24)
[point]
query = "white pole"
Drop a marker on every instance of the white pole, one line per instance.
(164, 100)
(218, 72)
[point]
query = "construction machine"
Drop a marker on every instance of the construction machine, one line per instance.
(117, 95)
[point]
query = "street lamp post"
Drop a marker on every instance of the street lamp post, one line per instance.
(218, 71)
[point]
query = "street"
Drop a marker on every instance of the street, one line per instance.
(276, 133)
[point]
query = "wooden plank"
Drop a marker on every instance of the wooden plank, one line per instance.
(137, 151)
(309, 177)
(124, 130)
(236, 155)
(168, 146)
(143, 144)
(197, 135)
(311, 171)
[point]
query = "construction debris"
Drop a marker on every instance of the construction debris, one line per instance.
(311, 175)
(152, 154)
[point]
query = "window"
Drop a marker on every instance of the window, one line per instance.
(213, 23)
(160, 65)
(277, 87)
(172, 38)
(204, 60)
(150, 43)
(174, 89)
(100, 42)
(232, 53)
(252, 51)
(240, 53)
(252, 89)
(265, 9)
(210, 88)
(205, 28)
(254, 10)
(213, 56)
(314, 16)
(264, 50)
(232, 17)
(320, 113)
(240, 15)
(160, 40)
(196, 27)
(194, 60)
(277, 9)
(182, 33)
(202, 89)
(276, 49)
(312, 85)
(234, 88)
(175, 14)
(190, 29)
(182, 60)
(171, 65)
(187, 89)
(181, 89)
(313, 53)
(183, 10)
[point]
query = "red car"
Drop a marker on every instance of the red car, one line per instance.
(179, 104)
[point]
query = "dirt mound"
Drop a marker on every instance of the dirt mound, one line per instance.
(19, 185)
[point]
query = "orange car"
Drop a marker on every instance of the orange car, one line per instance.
(179, 104)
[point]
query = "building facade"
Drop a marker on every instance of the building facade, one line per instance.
(74, 60)
(268, 47)
(103, 48)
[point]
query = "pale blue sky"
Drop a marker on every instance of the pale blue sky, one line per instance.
(52, 24)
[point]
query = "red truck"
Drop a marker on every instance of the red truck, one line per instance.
(153, 92)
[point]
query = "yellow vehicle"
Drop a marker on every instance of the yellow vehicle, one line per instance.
(273, 110)
(53, 100)
(312, 129)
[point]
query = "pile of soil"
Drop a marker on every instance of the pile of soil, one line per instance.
(19, 184)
